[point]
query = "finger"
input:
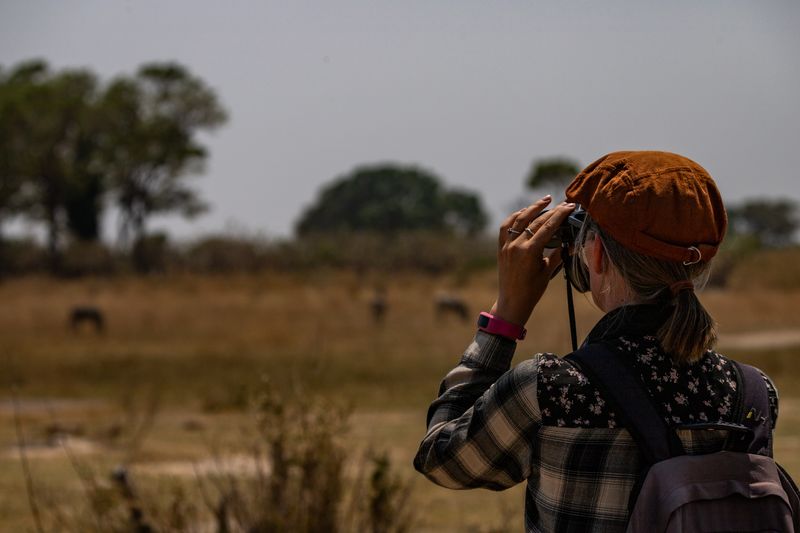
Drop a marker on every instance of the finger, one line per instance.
(532, 211)
(553, 261)
(504, 227)
(545, 229)
(526, 215)
(538, 221)
(507, 223)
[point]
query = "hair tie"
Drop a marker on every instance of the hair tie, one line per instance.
(680, 286)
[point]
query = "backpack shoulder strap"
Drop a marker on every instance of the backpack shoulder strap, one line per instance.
(756, 412)
(625, 391)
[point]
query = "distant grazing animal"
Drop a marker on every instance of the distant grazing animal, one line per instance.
(378, 305)
(449, 304)
(88, 315)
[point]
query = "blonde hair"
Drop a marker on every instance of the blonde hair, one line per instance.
(689, 330)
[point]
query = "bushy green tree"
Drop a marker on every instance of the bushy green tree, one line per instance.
(10, 145)
(464, 212)
(67, 143)
(152, 122)
(552, 172)
(772, 222)
(391, 199)
(48, 148)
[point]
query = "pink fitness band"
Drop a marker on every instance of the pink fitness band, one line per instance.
(491, 324)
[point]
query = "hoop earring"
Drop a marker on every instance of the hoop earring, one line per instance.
(606, 289)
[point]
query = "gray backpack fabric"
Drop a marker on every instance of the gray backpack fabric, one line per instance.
(740, 489)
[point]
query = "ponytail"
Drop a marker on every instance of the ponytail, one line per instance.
(689, 331)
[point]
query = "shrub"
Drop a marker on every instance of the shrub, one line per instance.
(219, 254)
(82, 258)
(734, 250)
(21, 256)
(429, 252)
(768, 269)
(303, 479)
(151, 253)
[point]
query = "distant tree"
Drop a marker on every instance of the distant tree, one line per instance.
(773, 222)
(46, 145)
(65, 143)
(10, 177)
(552, 172)
(83, 177)
(84, 205)
(464, 212)
(390, 199)
(14, 134)
(152, 122)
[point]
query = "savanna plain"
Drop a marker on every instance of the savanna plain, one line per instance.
(168, 388)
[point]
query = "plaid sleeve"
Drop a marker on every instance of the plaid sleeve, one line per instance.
(481, 427)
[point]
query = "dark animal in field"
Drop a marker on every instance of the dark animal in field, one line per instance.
(378, 306)
(92, 316)
(447, 304)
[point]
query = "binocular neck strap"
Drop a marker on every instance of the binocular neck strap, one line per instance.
(573, 331)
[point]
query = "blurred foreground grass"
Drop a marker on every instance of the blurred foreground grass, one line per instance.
(194, 349)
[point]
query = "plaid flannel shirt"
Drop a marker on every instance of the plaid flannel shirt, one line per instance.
(544, 422)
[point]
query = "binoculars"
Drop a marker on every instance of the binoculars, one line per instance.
(564, 237)
(568, 231)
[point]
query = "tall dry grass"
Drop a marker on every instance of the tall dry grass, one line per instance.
(298, 474)
(205, 341)
(201, 338)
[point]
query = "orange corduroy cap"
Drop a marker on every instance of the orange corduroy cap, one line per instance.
(656, 203)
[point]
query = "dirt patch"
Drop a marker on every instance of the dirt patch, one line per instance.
(46, 406)
(236, 465)
(760, 340)
(56, 450)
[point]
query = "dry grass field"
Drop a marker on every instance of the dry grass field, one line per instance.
(170, 380)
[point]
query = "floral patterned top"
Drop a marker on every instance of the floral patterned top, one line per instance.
(703, 392)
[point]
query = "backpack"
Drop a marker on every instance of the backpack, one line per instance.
(738, 489)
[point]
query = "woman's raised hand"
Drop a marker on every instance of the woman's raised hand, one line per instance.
(524, 267)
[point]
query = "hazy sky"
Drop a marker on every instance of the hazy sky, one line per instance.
(473, 91)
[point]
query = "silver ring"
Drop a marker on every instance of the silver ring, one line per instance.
(513, 231)
(529, 231)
